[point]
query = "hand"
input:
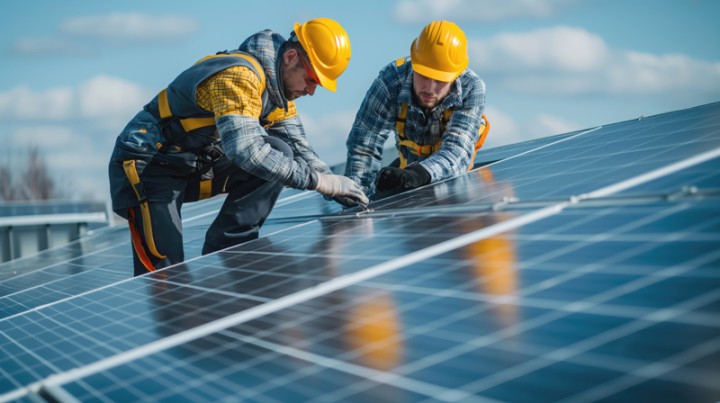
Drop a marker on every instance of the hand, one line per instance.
(400, 180)
(337, 186)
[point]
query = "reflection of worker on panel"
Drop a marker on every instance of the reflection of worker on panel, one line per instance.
(491, 260)
(372, 326)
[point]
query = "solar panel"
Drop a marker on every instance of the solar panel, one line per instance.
(100, 259)
(580, 267)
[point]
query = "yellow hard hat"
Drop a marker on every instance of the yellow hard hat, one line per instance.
(328, 47)
(440, 52)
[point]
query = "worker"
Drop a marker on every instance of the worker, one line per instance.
(228, 124)
(432, 103)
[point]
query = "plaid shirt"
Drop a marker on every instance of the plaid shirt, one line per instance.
(377, 117)
(236, 97)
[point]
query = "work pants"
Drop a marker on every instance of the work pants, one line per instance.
(249, 201)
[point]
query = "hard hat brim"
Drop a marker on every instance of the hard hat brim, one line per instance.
(327, 83)
(437, 75)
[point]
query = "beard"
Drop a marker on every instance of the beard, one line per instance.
(290, 94)
(429, 102)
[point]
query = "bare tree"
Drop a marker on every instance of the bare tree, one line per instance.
(7, 189)
(32, 183)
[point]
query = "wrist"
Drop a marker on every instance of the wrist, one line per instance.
(314, 180)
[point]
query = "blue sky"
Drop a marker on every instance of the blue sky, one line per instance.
(74, 72)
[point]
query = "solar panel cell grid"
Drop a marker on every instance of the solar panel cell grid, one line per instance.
(495, 285)
(540, 324)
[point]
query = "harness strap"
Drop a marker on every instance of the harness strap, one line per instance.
(249, 58)
(190, 124)
(205, 189)
(484, 129)
(429, 149)
(400, 121)
(137, 242)
(134, 178)
(417, 149)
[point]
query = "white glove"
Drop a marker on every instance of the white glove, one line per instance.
(340, 186)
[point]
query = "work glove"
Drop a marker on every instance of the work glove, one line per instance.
(393, 179)
(338, 186)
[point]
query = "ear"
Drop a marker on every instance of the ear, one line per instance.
(290, 57)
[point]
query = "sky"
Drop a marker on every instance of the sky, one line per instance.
(74, 72)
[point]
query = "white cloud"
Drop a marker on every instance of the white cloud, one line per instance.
(110, 99)
(23, 103)
(49, 47)
(570, 61)
(47, 136)
(476, 10)
(101, 98)
(503, 129)
(131, 27)
(563, 49)
(113, 28)
(506, 129)
(543, 125)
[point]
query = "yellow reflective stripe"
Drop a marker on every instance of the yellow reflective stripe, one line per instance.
(258, 67)
(134, 178)
(400, 122)
(400, 129)
(403, 161)
(191, 124)
(131, 173)
(205, 189)
(163, 104)
(147, 228)
(427, 150)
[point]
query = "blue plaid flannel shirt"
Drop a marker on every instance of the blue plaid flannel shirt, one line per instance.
(377, 116)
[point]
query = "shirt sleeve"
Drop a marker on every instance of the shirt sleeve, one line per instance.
(374, 123)
(234, 95)
(291, 130)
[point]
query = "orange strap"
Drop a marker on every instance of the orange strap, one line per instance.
(137, 242)
(484, 129)
(134, 178)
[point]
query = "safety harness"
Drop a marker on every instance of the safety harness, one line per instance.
(134, 178)
(188, 125)
(429, 149)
